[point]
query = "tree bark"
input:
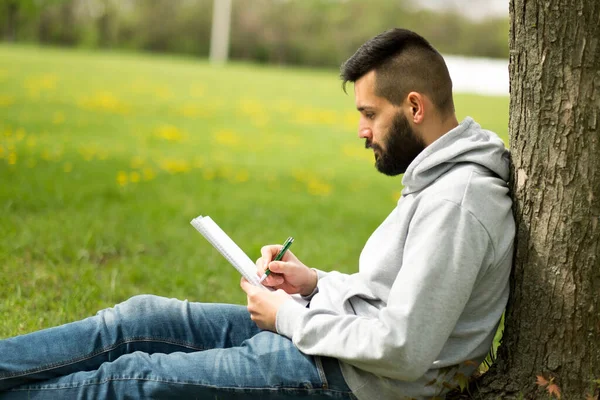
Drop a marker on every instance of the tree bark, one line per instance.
(552, 323)
(12, 18)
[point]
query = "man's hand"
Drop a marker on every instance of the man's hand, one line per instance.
(263, 305)
(289, 274)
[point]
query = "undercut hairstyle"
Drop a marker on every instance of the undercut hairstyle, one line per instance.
(403, 62)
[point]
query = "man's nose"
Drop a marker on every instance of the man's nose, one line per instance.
(365, 133)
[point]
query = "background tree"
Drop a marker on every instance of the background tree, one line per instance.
(552, 331)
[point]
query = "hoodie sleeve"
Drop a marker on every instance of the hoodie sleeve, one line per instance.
(444, 251)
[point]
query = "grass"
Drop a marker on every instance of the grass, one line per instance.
(106, 157)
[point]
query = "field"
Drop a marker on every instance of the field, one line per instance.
(106, 157)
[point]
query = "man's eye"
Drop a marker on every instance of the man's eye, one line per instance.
(370, 115)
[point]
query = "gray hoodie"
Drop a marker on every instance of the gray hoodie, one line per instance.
(421, 312)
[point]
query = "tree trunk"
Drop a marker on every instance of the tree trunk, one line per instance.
(552, 325)
(12, 18)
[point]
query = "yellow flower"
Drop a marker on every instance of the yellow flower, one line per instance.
(227, 138)
(189, 110)
(163, 92)
(122, 178)
(170, 133)
(175, 166)
(12, 158)
(20, 134)
(396, 196)
(318, 188)
(6, 101)
(67, 167)
(58, 118)
(104, 101)
(148, 174)
(242, 176)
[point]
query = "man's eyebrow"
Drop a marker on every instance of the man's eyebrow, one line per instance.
(365, 108)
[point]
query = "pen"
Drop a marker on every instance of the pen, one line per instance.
(278, 257)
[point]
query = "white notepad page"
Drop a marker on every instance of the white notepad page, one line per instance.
(227, 247)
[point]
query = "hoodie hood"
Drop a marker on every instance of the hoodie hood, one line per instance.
(467, 143)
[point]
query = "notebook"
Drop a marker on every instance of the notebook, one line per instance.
(232, 252)
(227, 247)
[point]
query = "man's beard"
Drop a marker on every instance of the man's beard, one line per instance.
(402, 145)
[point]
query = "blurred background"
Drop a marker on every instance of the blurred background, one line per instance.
(314, 33)
(121, 120)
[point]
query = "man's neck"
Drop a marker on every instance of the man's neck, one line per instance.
(439, 128)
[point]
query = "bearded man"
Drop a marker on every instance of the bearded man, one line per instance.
(418, 316)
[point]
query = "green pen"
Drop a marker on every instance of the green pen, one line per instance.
(278, 257)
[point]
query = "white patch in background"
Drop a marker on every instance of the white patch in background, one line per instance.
(484, 76)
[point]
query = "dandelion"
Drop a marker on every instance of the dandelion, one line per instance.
(170, 133)
(350, 120)
(58, 118)
(163, 93)
(242, 176)
(19, 134)
(227, 138)
(122, 178)
(189, 110)
(12, 158)
(175, 166)
(31, 141)
(318, 188)
(148, 174)
(1, 151)
(104, 101)
(251, 107)
(87, 153)
(67, 167)
(36, 84)
(6, 101)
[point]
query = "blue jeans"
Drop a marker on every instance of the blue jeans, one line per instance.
(153, 347)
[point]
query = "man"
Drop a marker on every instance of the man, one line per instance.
(417, 318)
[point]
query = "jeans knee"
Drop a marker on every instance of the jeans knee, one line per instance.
(141, 304)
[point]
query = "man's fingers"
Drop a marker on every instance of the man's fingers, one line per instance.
(247, 286)
(267, 253)
(278, 267)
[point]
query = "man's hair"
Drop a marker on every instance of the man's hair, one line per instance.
(403, 62)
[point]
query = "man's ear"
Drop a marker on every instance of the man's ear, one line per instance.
(416, 106)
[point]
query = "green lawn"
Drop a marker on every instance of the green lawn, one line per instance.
(106, 157)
